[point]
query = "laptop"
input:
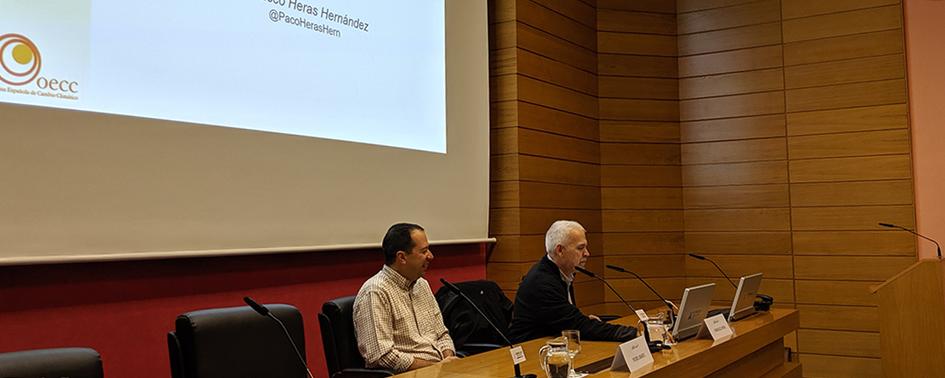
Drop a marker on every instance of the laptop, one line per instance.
(744, 303)
(695, 302)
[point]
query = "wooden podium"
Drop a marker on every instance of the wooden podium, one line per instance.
(912, 321)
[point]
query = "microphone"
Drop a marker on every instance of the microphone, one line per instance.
(938, 248)
(264, 311)
(672, 318)
(589, 273)
(455, 290)
(700, 257)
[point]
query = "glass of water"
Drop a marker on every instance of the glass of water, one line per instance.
(574, 347)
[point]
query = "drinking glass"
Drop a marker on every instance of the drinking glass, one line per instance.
(573, 337)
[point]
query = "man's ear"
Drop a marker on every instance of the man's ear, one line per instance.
(401, 256)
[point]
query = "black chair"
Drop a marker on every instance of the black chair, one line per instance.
(471, 333)
(58, 362)
(236, 342)
(341, 348)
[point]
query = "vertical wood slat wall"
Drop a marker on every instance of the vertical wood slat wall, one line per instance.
(771, 135)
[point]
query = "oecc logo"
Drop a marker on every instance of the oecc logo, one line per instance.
(20, 59)
(20, 63)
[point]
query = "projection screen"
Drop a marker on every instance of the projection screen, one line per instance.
(175, 129)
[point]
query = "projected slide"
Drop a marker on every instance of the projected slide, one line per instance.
(353, 70)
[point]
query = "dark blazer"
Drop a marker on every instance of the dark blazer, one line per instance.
(542, 309)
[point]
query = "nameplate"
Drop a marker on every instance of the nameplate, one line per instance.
(632, 356)
(518, 354)
(642, 315)
(718, 327)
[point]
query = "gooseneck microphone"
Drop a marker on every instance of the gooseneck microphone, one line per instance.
(700, 257)
(461, 294)
(672, 316)
(591, 274)
(938, 248)
(264, 311)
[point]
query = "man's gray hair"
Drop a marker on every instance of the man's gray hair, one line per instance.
(558, 233)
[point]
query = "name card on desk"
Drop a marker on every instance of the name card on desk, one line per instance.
(642, 315)
(518, 355)
(718, 327)
(632, 355)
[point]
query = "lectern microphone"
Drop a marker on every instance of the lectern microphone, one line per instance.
(938, 248)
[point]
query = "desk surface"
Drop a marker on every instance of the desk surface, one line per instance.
(693, 357)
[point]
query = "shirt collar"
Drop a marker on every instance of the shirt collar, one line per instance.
(397, 278)
(564, 277)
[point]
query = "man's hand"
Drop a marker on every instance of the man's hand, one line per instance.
(419, 363)
(449, 358)
(594, 317)
(448, 353)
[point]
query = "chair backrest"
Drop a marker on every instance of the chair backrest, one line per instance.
(464, 323)
(58, 362)
(337, 325)
(237, 342)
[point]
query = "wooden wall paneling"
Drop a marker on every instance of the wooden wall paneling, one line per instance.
(638, 294)
(537, 117)
(655, 6)
(805, 8)
(841, 318)
(883, 117)
(542, 43)
(731, 83)
(880, 242)
(639, 109)
(765, 172)
(732, 128)
(558, 196)
(831, 292)
(561, 98)
(639, 131)
(851, 169)
(639, 87)
(636, 22)
(834, 24)
(557, 146)
(842, 343)
(851, 217)
(638, 65)
(836, 366)
(633, 243)
(536, 221)
(739, 242)
(751, 13)
(758, 219)
(503, 114)
(639, 175)
(773, 266)
(503, 61)
(732, 106)
(582, 12)
(782, 290)
(541, 169)
(883, 67)
(886, 192)
(555, 72)
(503, 167)
(737, 151)
(757, 58)
(639, 153)
(642, 220)
(739, 196)
(539, 17)
(847, 95)
(504, 194)
(658, 265)
(730, 39)
(864, 143)
(637, 44)
(861, 268)
(641, 198)
(844, 47)
(685, 6)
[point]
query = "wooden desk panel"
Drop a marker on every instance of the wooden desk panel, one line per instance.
(751, 352)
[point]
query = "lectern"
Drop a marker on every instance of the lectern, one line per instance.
(912, 321)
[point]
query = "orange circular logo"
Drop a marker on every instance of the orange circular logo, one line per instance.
(19, 59)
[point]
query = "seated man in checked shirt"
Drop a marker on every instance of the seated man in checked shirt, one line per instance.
(396, 319)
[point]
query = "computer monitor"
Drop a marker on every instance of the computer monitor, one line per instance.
(692, 309)
(744, 303)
